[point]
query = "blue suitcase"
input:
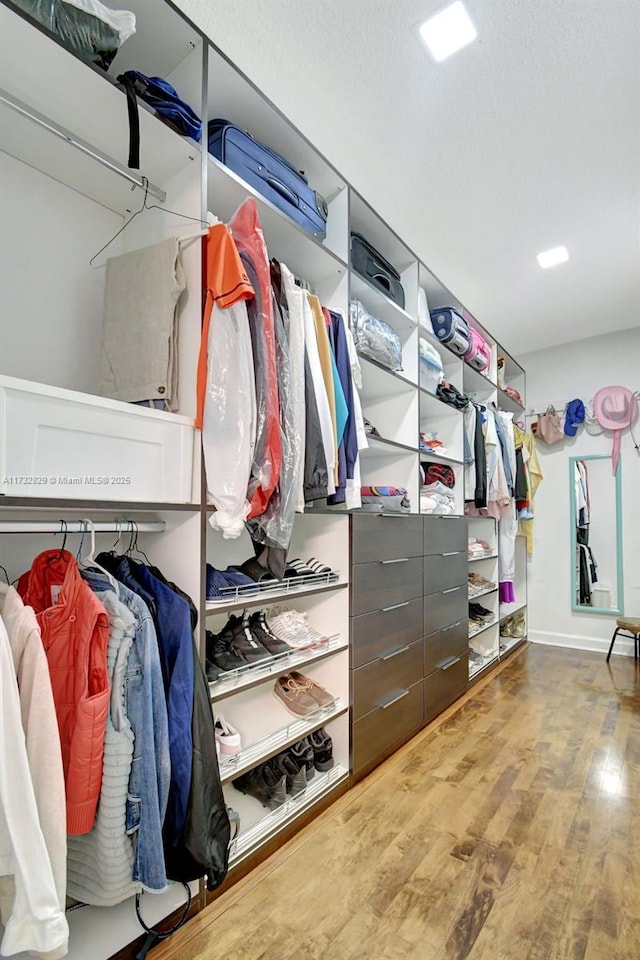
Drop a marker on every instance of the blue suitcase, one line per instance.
(451, 329)
(271, 175)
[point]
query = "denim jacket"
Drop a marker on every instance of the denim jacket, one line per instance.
(146, 709)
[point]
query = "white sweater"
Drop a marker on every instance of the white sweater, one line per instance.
(30, 905)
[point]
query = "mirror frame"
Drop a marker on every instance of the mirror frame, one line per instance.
(576, 607)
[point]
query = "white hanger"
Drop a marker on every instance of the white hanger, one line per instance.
(88, 561)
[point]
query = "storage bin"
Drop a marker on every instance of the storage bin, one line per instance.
(63, 444)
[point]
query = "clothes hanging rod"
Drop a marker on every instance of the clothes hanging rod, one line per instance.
(82, 145)
(79, 526)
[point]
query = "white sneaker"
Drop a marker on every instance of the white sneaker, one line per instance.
(292, 627)
(228, 740)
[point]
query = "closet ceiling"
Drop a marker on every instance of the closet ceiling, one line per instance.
(527, 139)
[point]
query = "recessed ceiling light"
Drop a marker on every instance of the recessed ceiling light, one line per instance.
(448, 31)
(551, 258)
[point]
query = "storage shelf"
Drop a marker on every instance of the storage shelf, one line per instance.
(267, 747)
(478, 667)
(234, 681)
(378, 380)
(476, 385)
(481, 628)
(513, 642)
(380, 305)
(306, 256)
(508, 609)
(483, 593)
(96, 506)
(379, 447)
(88, 105)
(487, 556)
(285, 591)
(444, 457)
(505, 402)
(430, 405)
(248, 840)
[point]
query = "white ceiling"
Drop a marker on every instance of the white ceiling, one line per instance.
(525, 140)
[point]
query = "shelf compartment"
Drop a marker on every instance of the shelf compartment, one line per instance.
(271, 593)
(378, 380)
(233, 681)
(476, 385)
(505, 402)
(379, 447)
(306, 256)
(56, 85)
(508, 609)
(249, 840)
(507, 648)
(443, 457)
(267, 747)
(480, 628)
(486, 556)
(477, 667)
(483, 593)
(381, 306)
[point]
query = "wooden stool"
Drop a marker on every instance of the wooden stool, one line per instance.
(627, 627)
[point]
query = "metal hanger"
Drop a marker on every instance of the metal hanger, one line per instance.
(149, 206)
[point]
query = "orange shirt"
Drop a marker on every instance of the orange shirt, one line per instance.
(226, 282)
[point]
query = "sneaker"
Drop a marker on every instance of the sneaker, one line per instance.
(295, 696)
(219, 658)
(264, 634)
(228, 738)
(479, 613)
(302, 753)
(322, 750)
(263, 784)
(240, 640)
(292, 627)
(283, 765)
(322, 697)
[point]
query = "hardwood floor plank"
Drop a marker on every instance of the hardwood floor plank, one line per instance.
(507, 830)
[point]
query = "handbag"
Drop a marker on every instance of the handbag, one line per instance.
(549, 426)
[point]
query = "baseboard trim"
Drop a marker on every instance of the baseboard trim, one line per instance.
(623, 646)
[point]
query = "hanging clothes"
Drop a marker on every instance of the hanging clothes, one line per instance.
(480, 457)
(469, 452)
(324, 352)
(30, 909)
(75, 630)
(320, 393)
(101, 861)
(349, 440)
(353, 491)
(507, 533)
(226, 392)
(246, 231)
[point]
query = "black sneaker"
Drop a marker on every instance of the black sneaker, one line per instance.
(302, 753)
(265, 785)
(322, 750)
(238, 637)
(219, 658)
(284, 765)
(264, 634)
(482, 612)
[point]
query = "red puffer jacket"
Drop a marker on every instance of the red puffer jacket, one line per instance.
(75, 630)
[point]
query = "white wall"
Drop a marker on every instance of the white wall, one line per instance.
(557, 375)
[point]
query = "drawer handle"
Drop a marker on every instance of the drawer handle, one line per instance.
(394, 606)
(448, 663)
(394, 653)
(400, 560)
(456, 624)
(390, 703)
(452, 553)
(452, 590)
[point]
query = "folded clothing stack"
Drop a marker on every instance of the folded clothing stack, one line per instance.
(431, 370)
(436, 492)
(451, 395)
(385, 500)
(478, 548)
(429, 443)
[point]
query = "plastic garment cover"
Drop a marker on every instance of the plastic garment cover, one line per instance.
(265, 471)
(85, 26)
(431, 370)
(274, 528)
(320, 392)
(374, 338)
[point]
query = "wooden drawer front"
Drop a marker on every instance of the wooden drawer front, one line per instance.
(444, 534)
(444, 608)
(398, 668)
(444, 570)
(445, 685)
(381, 584)
(385, 538)
(374, 633)
(379, 730)
(448, 643)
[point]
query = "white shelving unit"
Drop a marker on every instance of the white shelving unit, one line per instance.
(68, 189)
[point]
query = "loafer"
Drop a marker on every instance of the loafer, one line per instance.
(294, 696)
(322, 697)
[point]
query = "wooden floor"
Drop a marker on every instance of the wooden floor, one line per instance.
(509, 831)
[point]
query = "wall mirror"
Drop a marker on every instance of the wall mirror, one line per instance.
(595, 496)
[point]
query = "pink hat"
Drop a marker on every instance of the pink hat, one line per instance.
(615, 408)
